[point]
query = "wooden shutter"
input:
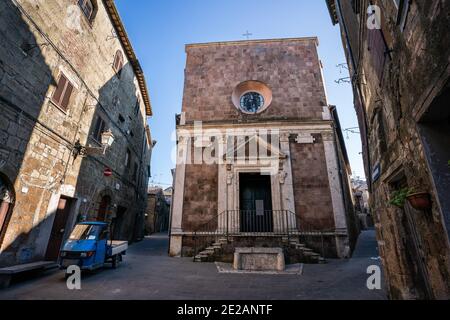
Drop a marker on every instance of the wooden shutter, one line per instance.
(61, 96)
(378, 51)
(118, 62)
(59, 89)
(66, 96)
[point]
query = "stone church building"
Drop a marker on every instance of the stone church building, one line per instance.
(260, 156)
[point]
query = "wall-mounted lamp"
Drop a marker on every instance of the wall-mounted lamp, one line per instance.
(107, 142)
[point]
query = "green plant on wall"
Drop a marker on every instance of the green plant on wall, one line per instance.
(448, 163)
(398, 197)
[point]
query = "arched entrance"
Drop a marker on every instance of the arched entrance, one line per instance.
(104, 208)
(6, 203)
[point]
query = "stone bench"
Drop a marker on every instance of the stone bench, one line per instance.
(259, 259)
(7, 273)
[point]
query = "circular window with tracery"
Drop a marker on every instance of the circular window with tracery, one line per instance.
(252, 97)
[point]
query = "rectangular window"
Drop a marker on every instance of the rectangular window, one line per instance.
(356, 6)
(87, 8)
(99, 128)
(128, 158)
(403, 14)
(61, 96)
(118, 63)
(137, 107)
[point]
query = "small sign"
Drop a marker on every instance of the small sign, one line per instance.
(376, 173)
(259, 207)
(108, 172)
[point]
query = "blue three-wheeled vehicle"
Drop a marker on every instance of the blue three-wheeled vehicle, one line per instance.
(90, 247)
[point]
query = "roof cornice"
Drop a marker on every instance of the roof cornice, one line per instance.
(128, 48)
(252, 42)
(331, 4)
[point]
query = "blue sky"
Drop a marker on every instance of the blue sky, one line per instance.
(160, 29)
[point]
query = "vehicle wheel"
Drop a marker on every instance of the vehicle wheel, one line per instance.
(115, 261)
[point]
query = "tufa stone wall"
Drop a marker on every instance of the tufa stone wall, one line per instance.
(291, 68)
(313, 204)
(407, 136)
(40, 40)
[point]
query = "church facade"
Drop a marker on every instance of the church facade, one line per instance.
(260, 155)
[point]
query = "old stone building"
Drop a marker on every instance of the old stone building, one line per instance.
(259, 157)
(398, 55)
(70, 85)
(158, 211)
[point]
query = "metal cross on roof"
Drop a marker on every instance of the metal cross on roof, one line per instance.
(247, 34)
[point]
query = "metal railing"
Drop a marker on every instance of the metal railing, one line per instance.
(253, 223)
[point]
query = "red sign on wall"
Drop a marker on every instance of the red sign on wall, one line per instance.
(108, 172)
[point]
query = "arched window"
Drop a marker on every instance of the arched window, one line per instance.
(118, 62)
(89, 8)
(6, 203)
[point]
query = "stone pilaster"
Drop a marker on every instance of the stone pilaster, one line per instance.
(178, 196)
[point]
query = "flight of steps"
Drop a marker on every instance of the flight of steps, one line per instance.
(309, 254)
(208, 254)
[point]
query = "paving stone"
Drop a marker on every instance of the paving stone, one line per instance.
(148, 273)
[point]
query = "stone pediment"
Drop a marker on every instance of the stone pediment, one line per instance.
(253, 147)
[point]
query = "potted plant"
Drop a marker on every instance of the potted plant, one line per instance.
(399, 197)
(420, 200)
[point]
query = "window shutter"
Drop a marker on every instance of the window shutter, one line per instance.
(59, 89)
(96, 128)
(102, 129)
(118, 62)
(66, 96)
(378, 51)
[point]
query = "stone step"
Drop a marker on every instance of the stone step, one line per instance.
(201, 258)
(311, 254)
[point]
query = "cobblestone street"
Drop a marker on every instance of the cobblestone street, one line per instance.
(148, 273)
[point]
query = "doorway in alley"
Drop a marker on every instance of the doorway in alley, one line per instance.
(434, 128)
(6, 203)
(59, 228)
(117, 223)
(104, 208)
